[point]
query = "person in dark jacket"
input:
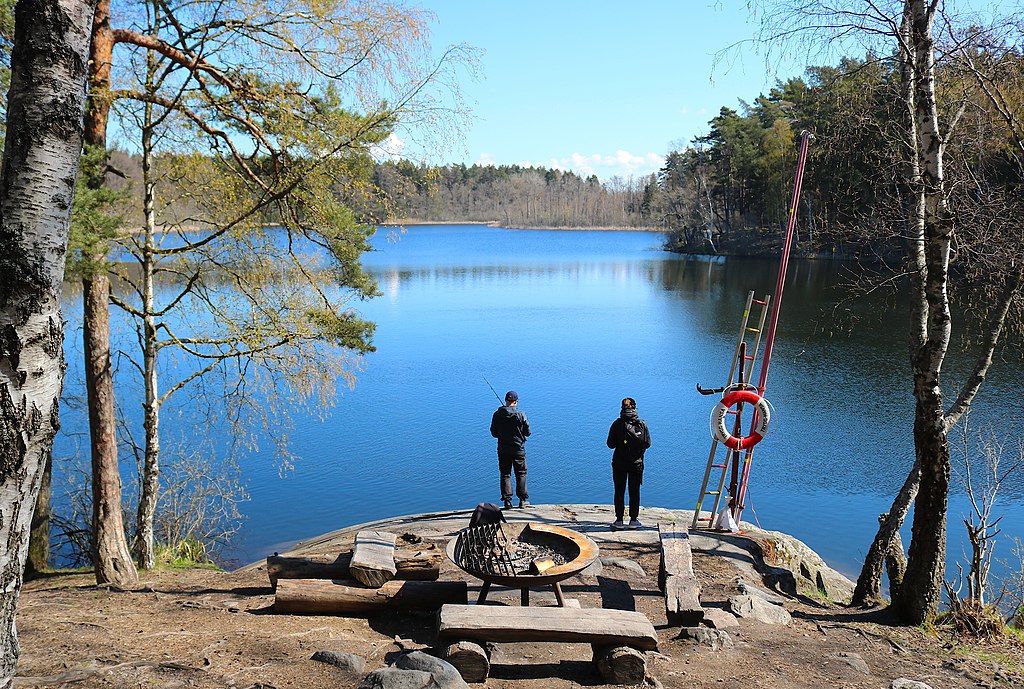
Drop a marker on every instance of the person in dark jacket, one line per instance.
(629, 437)
(510, 427)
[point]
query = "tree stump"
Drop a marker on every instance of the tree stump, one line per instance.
(470, 659)
(621, 664)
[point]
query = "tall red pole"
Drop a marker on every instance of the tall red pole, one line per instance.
(773, 322)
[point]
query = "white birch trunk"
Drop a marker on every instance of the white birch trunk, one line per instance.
(918, 598)
(150, 479)
(42, 147)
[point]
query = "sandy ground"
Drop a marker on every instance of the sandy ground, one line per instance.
(212, 629)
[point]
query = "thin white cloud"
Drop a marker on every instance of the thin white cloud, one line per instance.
(388, 149)
(620, 164)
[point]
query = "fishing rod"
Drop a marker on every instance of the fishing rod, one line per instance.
(494, 391)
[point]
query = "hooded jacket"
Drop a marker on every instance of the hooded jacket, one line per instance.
(510, 427)
(629, 437)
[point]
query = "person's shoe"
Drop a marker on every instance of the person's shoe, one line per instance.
(617, 524)
(523, 503)
(635, 524)
(508, 504)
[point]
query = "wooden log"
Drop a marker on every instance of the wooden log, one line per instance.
(621, 665)
(470, 659)
(373, 558)
(594, 626)
(676, 577)
(423, 565)
(327, 597)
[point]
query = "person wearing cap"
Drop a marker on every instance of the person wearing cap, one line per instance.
(510, 427)
(629, 439)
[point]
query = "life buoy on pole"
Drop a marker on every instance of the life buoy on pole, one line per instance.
(721, 410)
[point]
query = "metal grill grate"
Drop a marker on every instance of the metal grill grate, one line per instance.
(497, 550)
(485, 549)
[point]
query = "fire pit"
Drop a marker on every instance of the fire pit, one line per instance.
(521, 555)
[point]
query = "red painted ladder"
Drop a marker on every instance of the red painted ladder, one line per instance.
(742, 364)
(738, 486)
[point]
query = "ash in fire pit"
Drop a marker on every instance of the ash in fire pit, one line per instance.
(521, 555)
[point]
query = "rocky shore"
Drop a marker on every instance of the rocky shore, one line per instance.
(773, 619)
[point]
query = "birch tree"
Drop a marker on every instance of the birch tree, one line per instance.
(910, 29)
(272, 107)
(41, 150)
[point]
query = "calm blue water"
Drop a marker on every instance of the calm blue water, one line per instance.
(574, 321)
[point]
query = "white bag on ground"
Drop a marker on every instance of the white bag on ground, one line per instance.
(725, 521)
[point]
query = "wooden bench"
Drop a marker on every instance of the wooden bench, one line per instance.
(676, 578)
(617, 636)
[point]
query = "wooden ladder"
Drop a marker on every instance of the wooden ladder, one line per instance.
(739, 372)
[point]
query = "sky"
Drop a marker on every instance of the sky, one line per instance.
(600, 87)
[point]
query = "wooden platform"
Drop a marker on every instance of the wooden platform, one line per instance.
(572, 625)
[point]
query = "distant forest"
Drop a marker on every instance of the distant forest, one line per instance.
(729, 191)
(514, 196)
(726, 192)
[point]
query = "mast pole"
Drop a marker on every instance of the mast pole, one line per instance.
(769, 346)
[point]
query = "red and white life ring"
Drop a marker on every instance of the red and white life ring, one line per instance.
(720, 412)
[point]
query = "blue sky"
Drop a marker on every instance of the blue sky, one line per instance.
(599, 87)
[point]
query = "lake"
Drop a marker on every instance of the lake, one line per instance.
(574, 321)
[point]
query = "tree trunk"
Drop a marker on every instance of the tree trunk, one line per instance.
(111, 555)
(41, 150)
(869, 584)
(39, 540)
(150, 480)
(917, 599)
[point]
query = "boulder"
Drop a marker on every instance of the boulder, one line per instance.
(594, 569)
(716, 618)
(346, 661)
(748, 589)
(444, 673)
(854, 661)
(715, 639)
(396, 678)
(812, 576)
(624, 563)
(759, 610)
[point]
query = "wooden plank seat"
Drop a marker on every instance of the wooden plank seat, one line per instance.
(614, 634)
(676, 577)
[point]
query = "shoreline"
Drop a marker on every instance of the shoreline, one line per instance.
(405, 222)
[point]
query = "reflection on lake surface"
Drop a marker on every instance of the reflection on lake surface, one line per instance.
(574, 321)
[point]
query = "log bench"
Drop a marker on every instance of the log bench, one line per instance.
(422, 565)
(618, 637)
(348, 597)
(676, 577)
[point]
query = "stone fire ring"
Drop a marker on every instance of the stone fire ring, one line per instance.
(580, 551)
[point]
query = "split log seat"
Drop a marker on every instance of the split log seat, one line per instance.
(676, 577)
(616, 636)
(422, 565)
